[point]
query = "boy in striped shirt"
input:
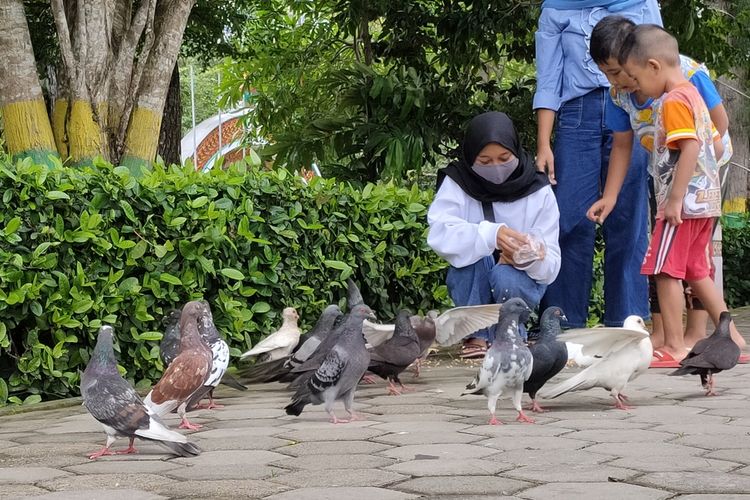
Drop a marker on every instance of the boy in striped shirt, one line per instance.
(686, 180)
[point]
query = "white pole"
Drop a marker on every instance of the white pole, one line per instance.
(192, 107)
(219, 78)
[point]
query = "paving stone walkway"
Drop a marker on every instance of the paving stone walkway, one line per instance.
(430, 443)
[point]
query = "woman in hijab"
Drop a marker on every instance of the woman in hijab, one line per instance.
(495, 220)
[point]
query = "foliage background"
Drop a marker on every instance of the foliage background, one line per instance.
(79, 248)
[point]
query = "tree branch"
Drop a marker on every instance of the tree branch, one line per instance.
(63, 35)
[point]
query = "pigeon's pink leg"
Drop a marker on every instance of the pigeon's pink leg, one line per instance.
(536, 408)
(129, 450)
(493, 420)
(104, 451)
(406, 388)
(368, 379)
(619, 398)
(417, 367)
(522, 417)
(392, 389)
(711, 391)
(353, 416)
(185, 424)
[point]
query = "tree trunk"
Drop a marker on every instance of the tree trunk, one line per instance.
(27, 128)
(142, 137)
(170, 135)
(736, 189)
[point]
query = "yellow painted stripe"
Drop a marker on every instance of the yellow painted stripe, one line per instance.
(735, 205)
(142, 138)
(27, 127)
(86, 139)
(58, 126)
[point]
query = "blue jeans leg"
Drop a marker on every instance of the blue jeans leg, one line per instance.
(508, 282)
(470, 286)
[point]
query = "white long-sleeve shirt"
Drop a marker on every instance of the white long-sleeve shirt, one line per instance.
(460, 235)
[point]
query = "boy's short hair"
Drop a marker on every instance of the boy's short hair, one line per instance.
(608, 37)
(650, 41)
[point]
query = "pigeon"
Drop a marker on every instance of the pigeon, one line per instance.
(114, 403)
(219, 363)
(394, 355)
(424, 326)
(281, 342)
(169, 347)
(550, 356)
(711, 355)
(621, 355)
(280, 370)
(188, 372)
(507, 364)
(338, 374)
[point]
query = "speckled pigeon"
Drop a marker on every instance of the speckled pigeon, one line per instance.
(219, 363)
(550, 356)
(620, 355)
(113, 402)
(507, 364)
(337, 376)
(188, 372)
(281, 342)
(169, 347)
(394, 355)
(711, 355)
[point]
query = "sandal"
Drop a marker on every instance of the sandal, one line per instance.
(662, 359)
(473, 350)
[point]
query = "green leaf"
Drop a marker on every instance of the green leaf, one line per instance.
(199, 201)
(36, 308)
(232, 274)
(169, 278)
(12, 226)
(57, 195)
(260, 307)
(138, 250)
(33, 399)
(3, 392)
(177, 221)
(337, 264)
(127, 209)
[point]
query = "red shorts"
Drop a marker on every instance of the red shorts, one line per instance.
(682, 252)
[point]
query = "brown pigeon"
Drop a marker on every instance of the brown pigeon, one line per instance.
(187, 373)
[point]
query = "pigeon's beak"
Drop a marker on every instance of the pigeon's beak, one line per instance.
(372, 317)
(563, 317)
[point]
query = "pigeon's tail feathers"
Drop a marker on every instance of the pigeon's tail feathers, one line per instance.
(158, 431)
(576, 382)
(300, 380)
(684, 370)
(260, 373)
(186, 449)
(296, 406)
(473, 387)
(232, 382)
(160, 409)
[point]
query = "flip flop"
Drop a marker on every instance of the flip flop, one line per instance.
(744, 359)
(473, 351)
(663, 359)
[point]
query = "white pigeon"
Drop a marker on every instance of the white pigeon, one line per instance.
(280, 343)
(620, 355)
(450, 327)
(507, 364)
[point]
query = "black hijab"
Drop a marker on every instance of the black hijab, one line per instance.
(484, 129)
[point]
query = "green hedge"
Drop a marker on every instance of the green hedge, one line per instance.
(736, 257)
(79, 248)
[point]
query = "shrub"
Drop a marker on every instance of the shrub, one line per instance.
(79, 248)
(736, 259)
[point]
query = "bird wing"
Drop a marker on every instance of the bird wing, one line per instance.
(376, 333)
(187, 373)
(330, 371)
(603, 340)
(455, 324)
(219, 363)
(284, 338)
(114, 403)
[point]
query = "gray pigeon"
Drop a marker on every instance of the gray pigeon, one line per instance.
(426, 330)
(219, 363)
(394, 355)
(337, 377)
(113, 402)
(169, 347)
(279, 370)
(188, 372)
(711, 355)
(507, 364)
(550, 356)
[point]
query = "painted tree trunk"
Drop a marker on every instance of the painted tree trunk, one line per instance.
(28, 132)
(142, 137)
(737, 182)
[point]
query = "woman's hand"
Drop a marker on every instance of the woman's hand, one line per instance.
(508, 241)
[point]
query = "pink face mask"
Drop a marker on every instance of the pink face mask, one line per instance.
(497, 174)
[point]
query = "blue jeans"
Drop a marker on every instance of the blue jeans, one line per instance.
(485, 282)
(582, 146)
